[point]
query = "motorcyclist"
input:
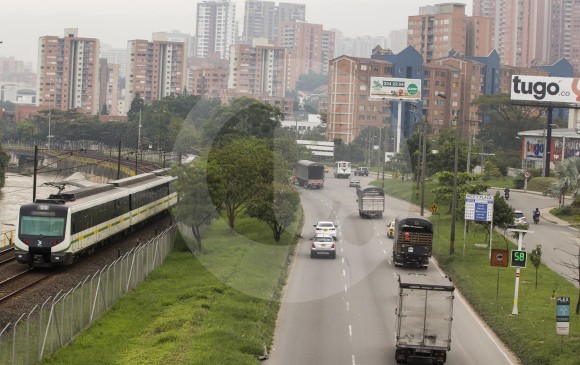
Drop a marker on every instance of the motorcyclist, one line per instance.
(506, 192)
(536, 214)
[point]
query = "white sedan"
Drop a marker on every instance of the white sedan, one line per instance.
(326, 227)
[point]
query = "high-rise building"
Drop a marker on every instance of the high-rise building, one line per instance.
(310, 46)
(17, 72)
(445, 27)
(154, 70)
(117, 56)
(68, 72)
(358, 46)
(398, 40)
(215, 28)
(260, 68)
(564, 32)
(110, 88)
(262, 18)
(521, 29)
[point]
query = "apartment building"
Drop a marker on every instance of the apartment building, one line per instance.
(68, 72)
(154, 70)
(260, 68)
(310, 48)
(17, 72)
(444, 27)
(110, 88)
(262, 18)
(349, 106)
(215, 29)
(207, 80)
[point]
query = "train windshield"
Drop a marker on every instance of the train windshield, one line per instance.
(42, 226)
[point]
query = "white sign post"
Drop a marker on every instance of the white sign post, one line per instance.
(388, 88)
(478, 208)
(563, 316)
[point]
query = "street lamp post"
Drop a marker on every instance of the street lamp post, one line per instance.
(454, 194)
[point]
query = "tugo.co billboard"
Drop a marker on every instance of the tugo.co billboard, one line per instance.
(395, 89)
(540, 89)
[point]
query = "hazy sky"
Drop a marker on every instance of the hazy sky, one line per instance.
(115, 22)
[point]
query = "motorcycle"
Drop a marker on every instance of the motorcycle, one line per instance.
(506, 195)
(536, 218)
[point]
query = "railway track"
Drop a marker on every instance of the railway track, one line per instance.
(7, 255)
(21, 281)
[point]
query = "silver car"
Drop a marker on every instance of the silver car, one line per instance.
(323, 244)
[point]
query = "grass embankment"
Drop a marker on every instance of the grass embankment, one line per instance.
(532, 333)
(217, 308)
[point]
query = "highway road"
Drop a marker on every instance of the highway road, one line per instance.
(559, 241)
(342, 311)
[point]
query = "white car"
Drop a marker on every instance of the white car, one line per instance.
(326, 227)
(323, 244)
(354, 182)
(519, 218)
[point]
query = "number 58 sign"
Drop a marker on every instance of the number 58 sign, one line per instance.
(519, 258)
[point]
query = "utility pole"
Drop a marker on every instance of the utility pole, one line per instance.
(423, 170)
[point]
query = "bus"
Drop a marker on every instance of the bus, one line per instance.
(342, 169)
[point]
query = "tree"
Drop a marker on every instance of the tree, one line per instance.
(200, 197)
(536, 259)
(573, 265)
(275, 204)
(137, 105)
(568, 174)
(104, 109)
(311, 81)
(244, 165)
(505, 120)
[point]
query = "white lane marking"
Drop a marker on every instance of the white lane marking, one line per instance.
(341, 250)
(350, 330)
(353, 360)
(345, 288)
(389, 261)
(343, 273)
(385, 252)
(343, 260)
(396, 276)
(347, 307)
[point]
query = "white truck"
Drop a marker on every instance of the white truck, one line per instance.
(371, 201)
(424, 318)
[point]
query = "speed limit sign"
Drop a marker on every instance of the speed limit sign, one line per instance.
(527, 174)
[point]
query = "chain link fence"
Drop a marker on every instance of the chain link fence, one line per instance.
(54, 323)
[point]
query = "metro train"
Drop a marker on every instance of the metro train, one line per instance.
(58, 230)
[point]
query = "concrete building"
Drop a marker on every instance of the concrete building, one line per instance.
(286, 105)
(207, 80)
(68, 72)
(262, 18)
(176, 36)
(359, 46)
(215, 29)
(349, 106)
(310, 49)
(17, 72)
(110, 88)
(398, 40)
(117, 56)
(154, 70)
(260, 68)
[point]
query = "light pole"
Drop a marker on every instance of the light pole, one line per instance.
(454, 194)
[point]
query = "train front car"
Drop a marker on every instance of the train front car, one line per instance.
(41, 228)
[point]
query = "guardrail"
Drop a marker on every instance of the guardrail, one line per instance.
(53, 324)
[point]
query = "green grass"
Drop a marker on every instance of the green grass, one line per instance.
(532, 333)
(216, 308)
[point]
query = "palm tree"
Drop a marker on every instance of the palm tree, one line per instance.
(568, 174)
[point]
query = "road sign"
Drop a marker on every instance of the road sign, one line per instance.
(519, 258)
(479, 208)
(563, 316)
(499, 257)
(527, 174)
(434, 208)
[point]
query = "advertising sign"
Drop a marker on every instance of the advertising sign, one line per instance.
(395, 89)
(534, 148)
(563, 316)
(479, 208)
(540, 89)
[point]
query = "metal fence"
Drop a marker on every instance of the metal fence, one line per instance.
(53, 324)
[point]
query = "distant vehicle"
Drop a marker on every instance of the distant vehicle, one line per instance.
(354, 182)
(371, 201)
(361, 171)
(424, 318)
(326, 227)
(310, 174)
(391, 230)
(342, 169)
(323, 244)
(326, 169)
(519, 218)
(413, 241)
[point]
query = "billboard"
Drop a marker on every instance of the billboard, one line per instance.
(534, 148)
(540, 89)
(395, 89)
